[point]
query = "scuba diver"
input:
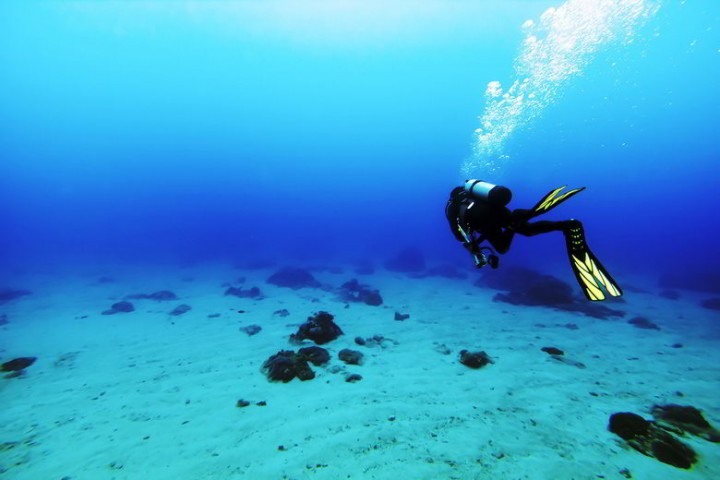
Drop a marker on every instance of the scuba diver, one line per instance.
(477, 212)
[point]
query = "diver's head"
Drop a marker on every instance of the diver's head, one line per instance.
(487, 192)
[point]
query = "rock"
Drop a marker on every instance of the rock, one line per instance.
(320, 329)
(17, 364)
(242, 403)
(687, 419)
(251, 329)
(375, 341)
(409, 260)
(711, 304)
(180, 309)
(160, 296)
(353, 291)
(474, 359)
(281, 313)
(644, 323)
(316, 355)
(351, 357)
(8, 295)
(371, 297)
(253, 292)
(552, 351)
(119, 307)
(353, 377)
(528, 287)
(401, 316)
(286, 365)
(294, 278)
(649, 439)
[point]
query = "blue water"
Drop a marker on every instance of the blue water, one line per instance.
(163, 131)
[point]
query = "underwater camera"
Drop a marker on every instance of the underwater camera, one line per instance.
(486, 256)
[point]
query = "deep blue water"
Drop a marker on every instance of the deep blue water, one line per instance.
(170, 131)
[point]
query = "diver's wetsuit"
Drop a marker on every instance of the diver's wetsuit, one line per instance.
(494, 223)
(475, 218)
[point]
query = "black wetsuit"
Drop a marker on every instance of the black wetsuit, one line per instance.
(482, 220)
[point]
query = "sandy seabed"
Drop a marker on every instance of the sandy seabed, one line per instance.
(147, 395)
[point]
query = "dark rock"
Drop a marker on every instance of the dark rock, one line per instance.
(8, 295)
(552, 351)
(251, 329)
(687, 419)
(670, 294)
(539, 289)
(375, 341)
(17, 364)
(711, 304)
(253, 292)
(160, 296)
(242, 403)
(353, 377)
(371, 297)
(180, 309)
(286, 365)
(281, 313)
(354, 291)
(213, 315)
(163, 295)
(649, 439)
(644, 323)
(261, 403)
(528, 287)
(320, 329)
(410, 260)
(401, 316)
(474, 359)
(571, 326)
(351, 357)
(119, 307)
(316, 355)
(294, 278)
(676, 345)
(628, 425)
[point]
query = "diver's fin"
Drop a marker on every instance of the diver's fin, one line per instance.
(592, 277)
(553, 199)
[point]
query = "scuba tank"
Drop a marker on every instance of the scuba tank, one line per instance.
(487, 192)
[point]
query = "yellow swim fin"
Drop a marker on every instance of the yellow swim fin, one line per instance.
(592, 277)
(553, 199)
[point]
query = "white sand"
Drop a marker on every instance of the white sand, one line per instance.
(148, 396)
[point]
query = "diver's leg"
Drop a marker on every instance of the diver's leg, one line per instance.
(501, 240)
(543, 226)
